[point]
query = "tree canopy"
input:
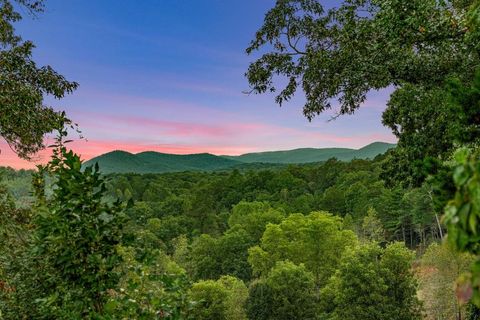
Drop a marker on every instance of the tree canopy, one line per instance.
(413, 48)
(316, 240)
(353, 294)
(358, 46)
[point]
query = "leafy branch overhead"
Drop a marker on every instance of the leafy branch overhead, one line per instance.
(413, 48)
(24, 117)
(361, 45)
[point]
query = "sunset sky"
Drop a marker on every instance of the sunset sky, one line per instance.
(168, 76)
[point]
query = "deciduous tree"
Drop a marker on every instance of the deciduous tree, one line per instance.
(372, 283)
(288, 292)
(221, 299)
(316, 240)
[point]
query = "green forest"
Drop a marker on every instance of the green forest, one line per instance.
(396, 237)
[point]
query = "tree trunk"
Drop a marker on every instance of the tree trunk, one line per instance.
(439, 226)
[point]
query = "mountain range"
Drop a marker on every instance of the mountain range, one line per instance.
(156, 162)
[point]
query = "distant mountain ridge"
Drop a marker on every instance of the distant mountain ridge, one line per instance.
(306, 155)
(156, 162)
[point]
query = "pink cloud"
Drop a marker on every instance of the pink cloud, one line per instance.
(257, 135)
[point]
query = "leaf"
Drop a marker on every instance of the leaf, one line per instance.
(461, 155)
(475, 192)
(105, 217)
(450, 213)
(110, 306)
(460, 175)
(473, 222)
(463, 214)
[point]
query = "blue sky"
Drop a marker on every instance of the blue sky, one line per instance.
(168, 75)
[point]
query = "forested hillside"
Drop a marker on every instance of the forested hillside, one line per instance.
(307, 155)
(155, 162)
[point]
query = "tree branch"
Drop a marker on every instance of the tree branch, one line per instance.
(291, 45)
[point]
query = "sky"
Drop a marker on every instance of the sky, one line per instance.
(168, 76)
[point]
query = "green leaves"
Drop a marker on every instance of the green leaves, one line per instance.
(105, 217)
(221, 299)
(76, 234)
(357, 46)
(23, 85)
(415, 47)
(288, 292)
(462, 214)
(226, 255)
(372, 283)
(316, 240)
(149, 289)
(460, 175)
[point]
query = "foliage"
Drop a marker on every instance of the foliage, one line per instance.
(360, 45)
(473, 18)
(372, 283)
(226, 255)
(181, 253)
(243, 209)
(253, 217)
(462, 213)
(75, 237)
(288, 292)
(316, 240)
(237, 294)
(415, 47)
(221, 299)
(440, 267)
(14, 237)
(81, 253)
(259, 302)
(202, 202)
(23, 85)
(426, 124)
(372, 227)
(210, 296)
(430, 124)
(19, 186)
(205, 258)
(148, 290)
